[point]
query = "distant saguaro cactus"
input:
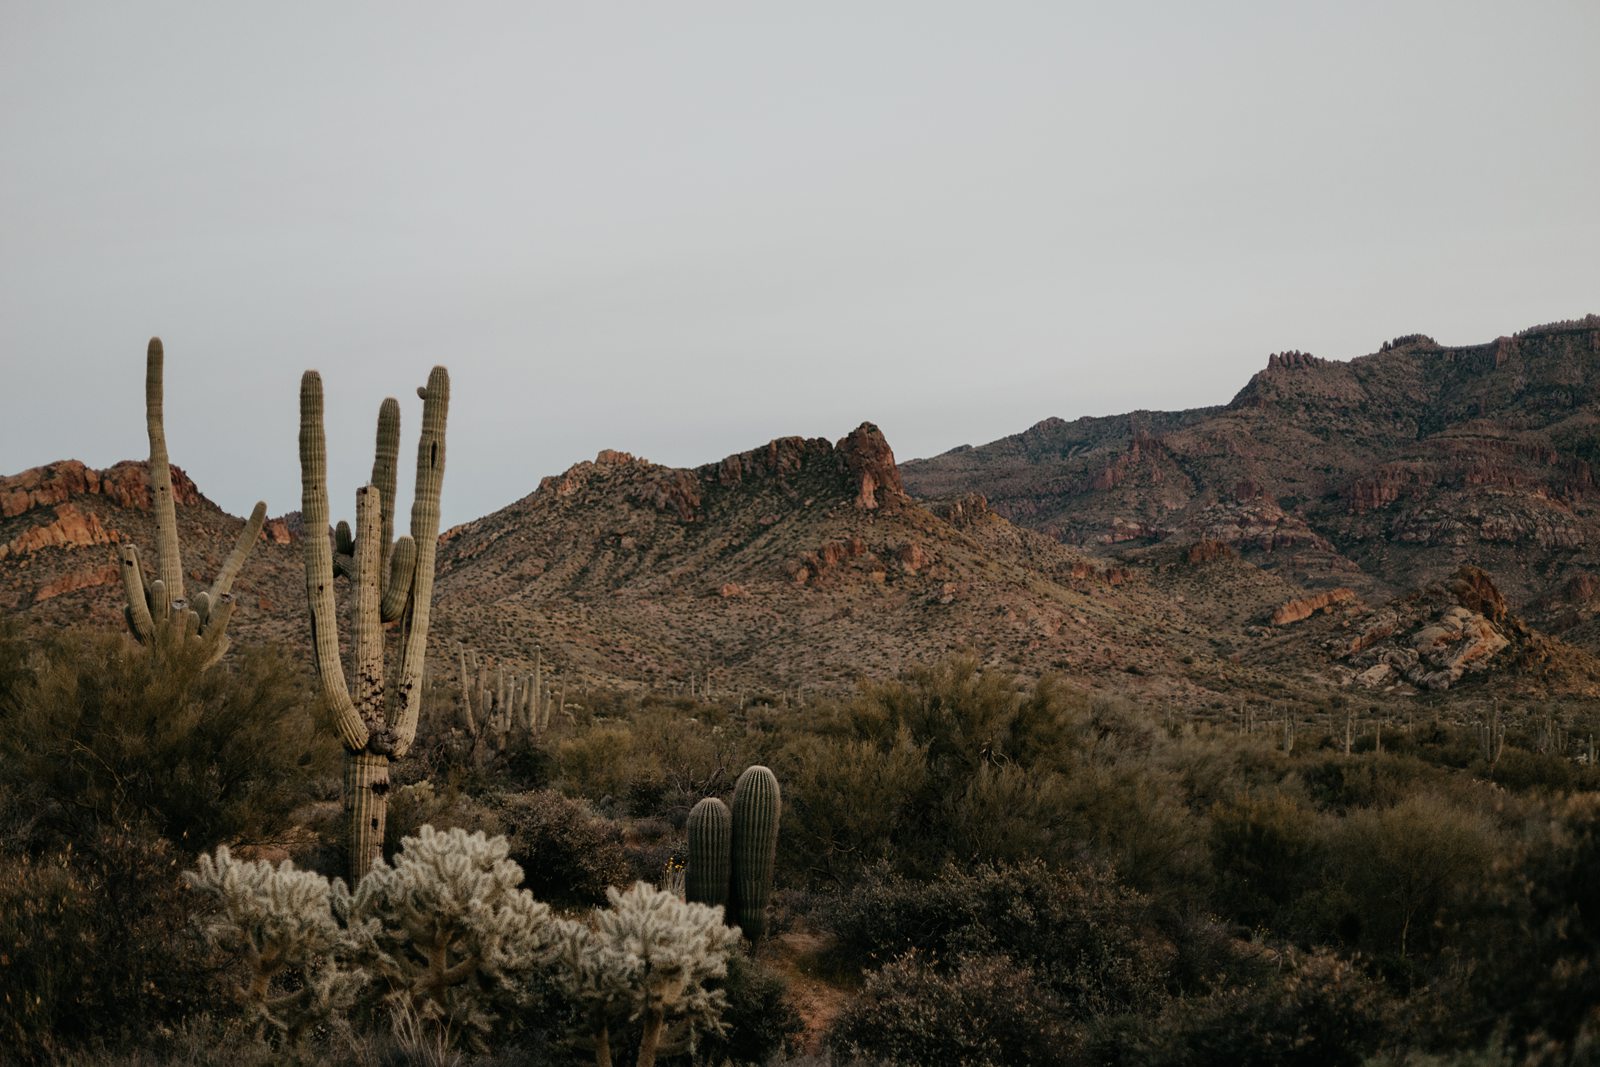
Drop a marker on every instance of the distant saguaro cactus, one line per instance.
(710, 853)
(492, 714)
(378, 723)
(157, 610)
(756, 810)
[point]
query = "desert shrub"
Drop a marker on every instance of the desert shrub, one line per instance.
(1522, 771)
(1376, 780)
(1402, 868)
(411, 807)
(888, 773)
(696, 757)
(978, 1011)
(96, 946)
(1089, 939)
(950, 761)
(849, 803)
(651, 846)
(1540, 973)
(107, 733)
(761, 1020)
(1313, 1010)
(1268, 852)
(569, 854)
(609, 764)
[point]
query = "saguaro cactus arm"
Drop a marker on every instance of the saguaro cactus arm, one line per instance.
(319, 566)
(425, 534)
(138, 609)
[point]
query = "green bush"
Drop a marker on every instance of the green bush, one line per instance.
(568, 854)
(96, 947)
(1539, 970)
(411, 807)
(1404, 868)
(762, 1022)
(1309, 1011)
(106, 733)
(1089, 939)
(609, 764)
(1269, 852)
(982, 1011)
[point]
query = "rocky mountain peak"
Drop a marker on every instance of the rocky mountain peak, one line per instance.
(868, 457)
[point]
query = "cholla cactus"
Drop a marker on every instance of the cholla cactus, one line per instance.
(647, 959)
(288, 926)
(454, 933)
(158, 613)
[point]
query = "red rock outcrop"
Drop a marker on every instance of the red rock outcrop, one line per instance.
(676, 492)
(963, 510)
(1305, 607)
(781, 458)
(277, 531)
(75, 580)
(868, 457)
(1209, 551)
(71, 528)
(125, 484)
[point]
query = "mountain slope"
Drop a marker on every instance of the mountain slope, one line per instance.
(801, 564)
(1382, 473)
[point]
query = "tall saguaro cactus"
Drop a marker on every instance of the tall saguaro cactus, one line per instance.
(377, 722)
(158, 613)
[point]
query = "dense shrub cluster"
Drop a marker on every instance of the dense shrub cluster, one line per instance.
(978, 1012)
(1084, 936)
(101, 732)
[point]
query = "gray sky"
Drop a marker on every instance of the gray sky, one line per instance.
(682, 229)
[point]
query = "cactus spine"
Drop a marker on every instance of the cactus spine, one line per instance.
(710, 853)
(376, 723)
(756, 810)
(157, 611)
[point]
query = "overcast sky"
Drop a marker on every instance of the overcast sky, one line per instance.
(682, 229)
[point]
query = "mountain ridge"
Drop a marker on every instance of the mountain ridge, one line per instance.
(1198, 557)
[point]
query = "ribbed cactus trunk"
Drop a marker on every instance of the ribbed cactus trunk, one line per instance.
(366, 807)
(756, 811)
(376, 721)
(710, 854)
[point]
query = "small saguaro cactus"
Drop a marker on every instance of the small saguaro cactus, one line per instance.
(158, 612)
(492, 713)
(378, 722)
(1492, 737)
(710, 853)
(732, 853)
(756, 810)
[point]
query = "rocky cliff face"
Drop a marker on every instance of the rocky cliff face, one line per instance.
(60, 523)
(1379, 474)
